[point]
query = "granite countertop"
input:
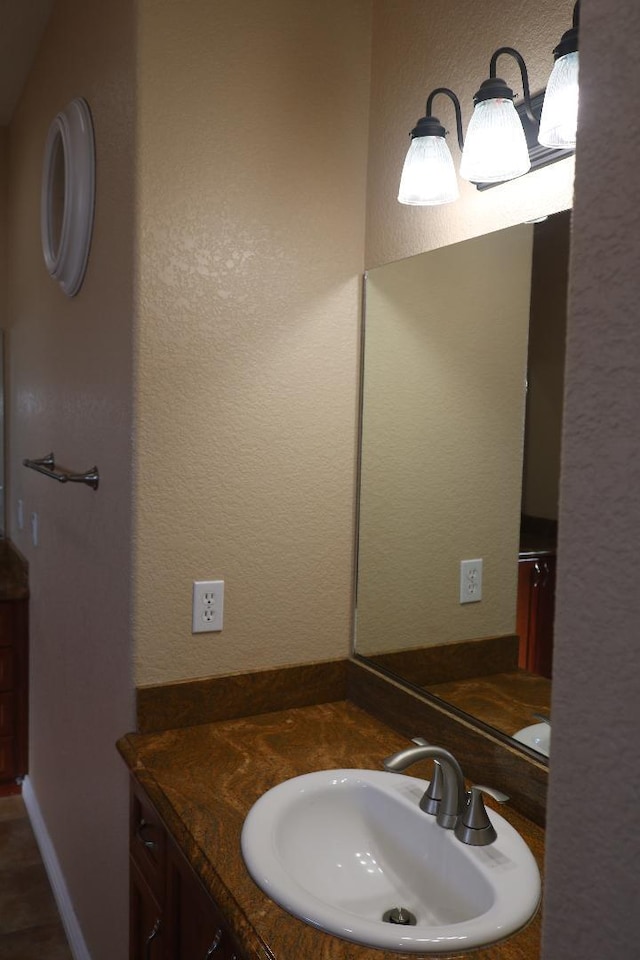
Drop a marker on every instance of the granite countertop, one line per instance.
(203, 780)
(506, 701)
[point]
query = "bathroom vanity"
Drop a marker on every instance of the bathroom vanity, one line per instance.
(192, 788)
(171, 912)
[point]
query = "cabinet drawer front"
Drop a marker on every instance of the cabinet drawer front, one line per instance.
(148, 842)
(7, 710)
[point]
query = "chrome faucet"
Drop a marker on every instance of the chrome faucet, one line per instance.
(453, 792)
(446, 797)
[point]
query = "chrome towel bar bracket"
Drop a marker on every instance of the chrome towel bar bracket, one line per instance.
(47, 466)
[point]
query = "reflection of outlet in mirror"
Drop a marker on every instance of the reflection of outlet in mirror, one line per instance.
(470, 581)
(208, 602)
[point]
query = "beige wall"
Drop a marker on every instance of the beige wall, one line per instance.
(593, 859)
(418, 47)
(251, 189)
(70, 388)
(442, 436)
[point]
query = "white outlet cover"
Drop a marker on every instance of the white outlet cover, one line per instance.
(207, 606)
(470, 581)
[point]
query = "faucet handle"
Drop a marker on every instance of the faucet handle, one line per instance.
(474, 826)
(430, 801)
(496, 795)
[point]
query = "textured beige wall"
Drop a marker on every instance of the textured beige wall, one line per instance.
(251, 186)
(418, 47)
(445, 365)
(22, 27)
(70, 389)
(593, 847)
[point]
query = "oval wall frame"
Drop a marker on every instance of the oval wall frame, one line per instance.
(68, 195)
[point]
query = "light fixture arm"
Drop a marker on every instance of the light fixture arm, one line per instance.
(456, 104)
(523, 73)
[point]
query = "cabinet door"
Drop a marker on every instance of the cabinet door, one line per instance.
(146, 934)
(147, 842)
(197, 930)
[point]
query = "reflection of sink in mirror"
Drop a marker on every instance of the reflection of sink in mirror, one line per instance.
(537, 736)
(340, 848)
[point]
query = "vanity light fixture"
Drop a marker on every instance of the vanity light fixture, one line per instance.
(559, 120)
(496, 147)
(503, 141)
(428, 175)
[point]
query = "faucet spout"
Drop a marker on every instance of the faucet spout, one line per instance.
(453, 793)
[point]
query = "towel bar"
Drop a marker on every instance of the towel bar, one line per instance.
(47, 466)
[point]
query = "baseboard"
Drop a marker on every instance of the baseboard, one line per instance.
(68, 916)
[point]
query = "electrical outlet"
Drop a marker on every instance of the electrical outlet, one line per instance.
(470, 581)
(208, 603)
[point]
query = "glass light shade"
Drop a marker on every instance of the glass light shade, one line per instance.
(428, 175)
(495, 148)
(559, 120)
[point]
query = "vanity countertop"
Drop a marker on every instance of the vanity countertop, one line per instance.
(203, 780)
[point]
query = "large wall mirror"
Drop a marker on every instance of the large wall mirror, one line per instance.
(462, 387)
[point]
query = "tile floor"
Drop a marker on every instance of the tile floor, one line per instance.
(30, 927)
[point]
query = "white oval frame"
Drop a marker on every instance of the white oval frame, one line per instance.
(66, 256)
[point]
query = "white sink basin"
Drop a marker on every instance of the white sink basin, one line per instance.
(339, 848)
(537, 736)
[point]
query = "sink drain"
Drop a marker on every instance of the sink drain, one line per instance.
(401, 916)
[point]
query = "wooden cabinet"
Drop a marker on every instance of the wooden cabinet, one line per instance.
(146, 930)
(172, 916)
(535, 611)
(13, 688)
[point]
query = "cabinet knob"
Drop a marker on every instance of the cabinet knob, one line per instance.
(142, 826)
(214, 944)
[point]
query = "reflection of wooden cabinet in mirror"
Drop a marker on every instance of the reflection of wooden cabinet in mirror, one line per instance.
(536, 603)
